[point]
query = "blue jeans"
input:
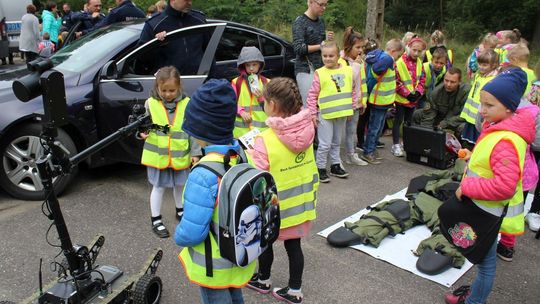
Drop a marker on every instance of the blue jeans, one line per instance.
(485, 276)
(375, 127)
(221, 296)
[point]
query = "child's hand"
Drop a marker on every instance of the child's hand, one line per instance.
(459, 193)
(315, 120)
(143, 135)
(194, 160)
(161, 35)
(329, 35)
(464, 154)
(246, 117)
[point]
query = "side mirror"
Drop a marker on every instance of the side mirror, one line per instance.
(109, 70)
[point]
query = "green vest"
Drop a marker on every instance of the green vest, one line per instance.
(406, 78)
(167, 150)
(225, 273)
(362, 81)
(429, 78)
(335, 96)
(470, 109)
(384, 92)
(531, 77)
(479, 166)
(250, 104)
(297, 180)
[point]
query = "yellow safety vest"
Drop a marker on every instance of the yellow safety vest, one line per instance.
(450, 53)
(470, 109)
(531, 77)
(503, 55)
(479, 165)
(297, 180)
(335, 96)
(384, 92)
(225, 273)
(362, 80)
(167, 150)
(427, 71)
(406, 78)
(251, 105)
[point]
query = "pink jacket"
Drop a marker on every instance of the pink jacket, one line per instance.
(297, 133)
(504, 160)
(411, 66)
(530, 168)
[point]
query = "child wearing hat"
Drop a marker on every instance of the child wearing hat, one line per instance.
(209, 119)
(493, 179)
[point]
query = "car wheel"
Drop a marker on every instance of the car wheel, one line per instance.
(19, 151)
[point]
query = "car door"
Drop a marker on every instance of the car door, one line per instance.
(134, 80)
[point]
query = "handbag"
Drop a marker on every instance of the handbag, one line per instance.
(469, 228)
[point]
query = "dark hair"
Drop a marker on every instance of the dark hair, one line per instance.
(30, 9)
(349, 39)
(453, 71)
(284, 92)
(488, 56)
(162, 75)
(371, 44)
(50, 5)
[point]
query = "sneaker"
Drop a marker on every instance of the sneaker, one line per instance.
(284, 294)
(533, 219)
(380, 145)
(260, 286)
(505, 253)
(338, 171)
(397, 151)
(377, 155)
(370, 158)
(458, 296)
(323, 176)
(360, 147)
(353, 159)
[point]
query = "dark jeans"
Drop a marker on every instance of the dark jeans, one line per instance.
(401, 114)
(296, 263)
(375, 126)
(30, 56)
(361, 127)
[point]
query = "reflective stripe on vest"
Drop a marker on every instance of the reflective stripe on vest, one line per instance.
(297, 180)
(163, 150)
(479, 166)
(470, 109)
(335, 95)
(406, 78)
(225, 273)
(384, 92)
(432, 82)
(252, 106)
(362, 79)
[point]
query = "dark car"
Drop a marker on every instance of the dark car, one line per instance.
(106, 74)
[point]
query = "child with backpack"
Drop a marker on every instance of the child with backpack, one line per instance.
(45, 47)
(209, 118)
(286, 150)
(507, 40)
(168, 152)
(248, 88)
(489, 41)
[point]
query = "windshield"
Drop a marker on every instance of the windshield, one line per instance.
(84, 53)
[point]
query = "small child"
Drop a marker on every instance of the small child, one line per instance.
(489, 41)
(534, 94)
(493, 178)
(437, 42)
(519, 56)
(435, 70)
(248, 88)
(383, 92)
(277, 149)
(330, 101)
(46, 48)
(209, 118)
(410, 81)
(533, 216)
(168, 152)
(353, 43)
(507, 40)
(488, 62)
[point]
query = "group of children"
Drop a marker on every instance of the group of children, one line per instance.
(361, 81)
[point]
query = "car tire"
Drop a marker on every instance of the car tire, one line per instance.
(18, 152)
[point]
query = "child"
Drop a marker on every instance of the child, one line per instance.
(248, 88)
(489, 41)
(382, 94)
(291, 134)
(507, 40)
(488, 62)
(519, 56)
(533, 216)
(333, 94)
(437, 42)
(493, 177)
(353, 42)
(209, 118)
(410, 81)
(46, 47)
(435, 70)
(168, 152)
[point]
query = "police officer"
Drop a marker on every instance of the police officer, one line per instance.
(89, 18)
(125, 10)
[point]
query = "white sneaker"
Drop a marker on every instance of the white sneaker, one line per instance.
(533, 219)
(353, 159)
(397, 151)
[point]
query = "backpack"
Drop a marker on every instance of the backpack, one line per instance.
(47, 49)
(248, 212)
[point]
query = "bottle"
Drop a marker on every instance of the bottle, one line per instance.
(253, 81)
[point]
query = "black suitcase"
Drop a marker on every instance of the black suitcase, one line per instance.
(427, 146)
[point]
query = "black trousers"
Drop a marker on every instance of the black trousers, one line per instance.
(296, 263)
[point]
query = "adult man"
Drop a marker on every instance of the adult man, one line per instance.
(66, 17)
(125, 10)
(444, 103)
(186, 53)
(89, 18)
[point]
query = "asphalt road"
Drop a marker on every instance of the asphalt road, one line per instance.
(113, 201)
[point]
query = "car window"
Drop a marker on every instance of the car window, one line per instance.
(270, 47)
(232, 41)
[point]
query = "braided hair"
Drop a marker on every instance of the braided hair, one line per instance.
(284, 93)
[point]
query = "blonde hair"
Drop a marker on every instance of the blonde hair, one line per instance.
(160, 5)
(488, 56)
(519, 53)
(329, 44)
(437, 37)
(514, 35)
(407, 37)
(284, 93)
(490, 39)
(164, 74)
(394, 45)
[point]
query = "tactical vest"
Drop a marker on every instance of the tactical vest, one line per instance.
(296, 178)
(335, 96)
(251, 105)
(436, 80)
(450, 53)
(406, 78)
(384, 92)
(362, 81)
(470, 109)
(225, 273)
(531, 77)
(162, 150)
(479, 166)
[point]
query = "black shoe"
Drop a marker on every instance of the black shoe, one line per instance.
(284, 294)
(323, 176)
(380, 145)
(505, 253)
(258, 286)
(336, 170)
(160, 230)
(179, 213)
